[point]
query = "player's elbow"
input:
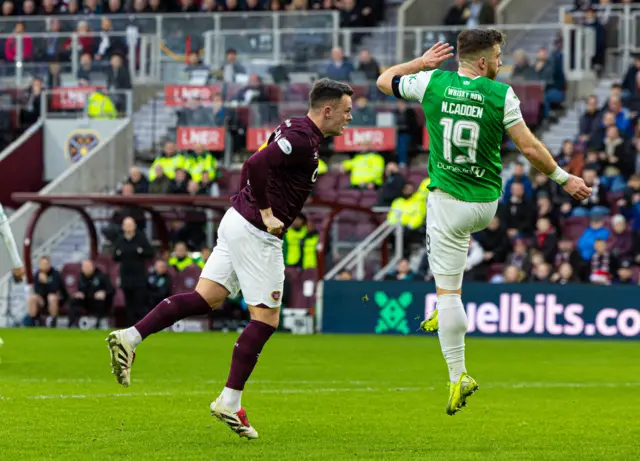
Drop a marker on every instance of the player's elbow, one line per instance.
(384, 83)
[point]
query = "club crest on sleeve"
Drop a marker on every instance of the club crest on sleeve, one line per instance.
(285, 145)
(275, 295)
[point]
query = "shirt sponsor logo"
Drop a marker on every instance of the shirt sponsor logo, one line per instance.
(476, 171)
(464, 95)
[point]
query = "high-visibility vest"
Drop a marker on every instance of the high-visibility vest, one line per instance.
(410, 211)
(424, 187)
(322, 167)
(396, 211)
(199, 164)
(100, 106)
(292, 245)
(310, 251)
(365, 169)
(180, 264)
(169, 165)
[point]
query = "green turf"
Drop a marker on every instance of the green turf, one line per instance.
(318, 398)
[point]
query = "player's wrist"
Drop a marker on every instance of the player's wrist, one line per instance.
(559, 176)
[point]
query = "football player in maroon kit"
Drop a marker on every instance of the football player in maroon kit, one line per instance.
(277, 181)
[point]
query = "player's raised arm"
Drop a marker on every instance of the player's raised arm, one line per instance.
(12, 248)
(401, 80)
(541, 159)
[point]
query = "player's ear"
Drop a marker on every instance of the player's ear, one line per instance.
(327, 112)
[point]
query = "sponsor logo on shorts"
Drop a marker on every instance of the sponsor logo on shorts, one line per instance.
(276, 295)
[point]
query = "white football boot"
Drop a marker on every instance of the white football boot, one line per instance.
(236, 420)
(122, 356)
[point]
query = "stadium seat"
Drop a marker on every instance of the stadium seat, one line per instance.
(363, 229)
(351, 196)
(186, 280)
(329, 195)
(233, 181)
(326, 181)
(118, 299)
(573, 227)
(495, 269)
(344, 181)
(104, 262)
(70, 276)
(369, 198)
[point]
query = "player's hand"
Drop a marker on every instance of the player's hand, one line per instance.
(274, 225)
(100, 295)
(436, 55)
(78, 295)
(18, 274)
(576, 188)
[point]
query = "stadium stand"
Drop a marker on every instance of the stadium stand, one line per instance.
(220, 101)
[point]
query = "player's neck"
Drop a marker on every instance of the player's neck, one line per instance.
(317, 120)
(468, 72)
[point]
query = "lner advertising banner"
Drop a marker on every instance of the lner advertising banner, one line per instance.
(510, 310)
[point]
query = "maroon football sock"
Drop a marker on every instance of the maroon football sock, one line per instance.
(246, 352)
(170, 310)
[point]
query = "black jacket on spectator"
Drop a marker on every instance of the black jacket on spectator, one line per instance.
(142, 186)
(454, 16)
(598, 197)
(549, 246)
(519, 216)
(589, 122)
(132, 256)
(99, 281)
(176, 187)
(407, 123)
(629, 82)
(159, 287)
(392, 188)
(54, 284)
(118, 79)
(370, 69)
(496, 242)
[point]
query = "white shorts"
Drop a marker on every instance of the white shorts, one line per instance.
(248, 259)
(450, 223)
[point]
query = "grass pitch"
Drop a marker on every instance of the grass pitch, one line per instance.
(318, 398)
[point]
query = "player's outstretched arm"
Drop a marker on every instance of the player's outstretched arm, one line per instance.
(12, 248)
(542, 160)
(431, 60)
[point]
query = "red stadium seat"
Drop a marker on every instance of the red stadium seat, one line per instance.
(573, 227)
(344, 181)
(326, 181)
(70, 274)
(351, 196)
(495, 269)
(104, 262)
(233, 181)
(369, 198)
(186, 280)
(118, 299)
(329, 195)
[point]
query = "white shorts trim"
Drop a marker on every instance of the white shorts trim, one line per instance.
(247, 259)
(450, 223)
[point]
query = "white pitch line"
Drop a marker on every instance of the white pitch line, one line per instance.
(337, 390)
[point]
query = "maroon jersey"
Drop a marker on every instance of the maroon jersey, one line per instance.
(281, 174)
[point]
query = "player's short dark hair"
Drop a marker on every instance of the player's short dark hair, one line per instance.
(326, 90)
(473, 41)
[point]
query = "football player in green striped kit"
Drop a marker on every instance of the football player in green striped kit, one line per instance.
(467, 113)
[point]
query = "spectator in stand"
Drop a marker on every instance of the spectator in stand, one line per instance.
(253, 5)
(513, 274)
(408, 131)
(629, 85)
(410, 211)
(564, 275)
(95, 294)
(521, 67)
(591, 21)
(48, 8)
(208, 6)
(621, 243)
(161, 182)
(569, 159)
(596, 202)
(188, 6)
(478, 13)
(191, 230)
(193, 114)
(112, 230)
(156, 6)
(159, 283)
(52, 46)
(567, 253)
(181, 259)
(363, 114)
(595, 231)
(547, 210)
(84, 71)
(543, 187)
(518, 176)
(456, 13)
(92, 7)
(49, 294)
(29, 10)
(8, 10)
(179, 183)
(546, 239)
(205, 254)
(617, 156)
(393, 184)
(603, 264)
(520, 257)
(518, 213)
(231, 68)
(201, 161)
(218, 114)
(208, 185)
(169, 161)
(344, 275)
(368, 65)
(196, 72)
(494, 242)
(85, 40)
(403, 272)
(338, 68)
(541, 273)
(554, 89)
(114, 7)
(366, 167)
(629, 204)
(118, 77)
(596, 140)
(622, 116)
(31, 111)
(255, 96)
(139, 181)
(132, 250)
(11, 45)
(351, 15)
(70, 8)
(590, 119)
(624, 274)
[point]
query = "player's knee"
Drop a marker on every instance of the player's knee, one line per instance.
(448, 283)
(213, 293)
(270, 316)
